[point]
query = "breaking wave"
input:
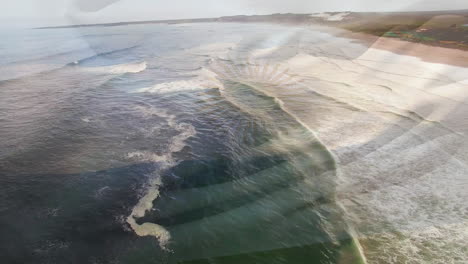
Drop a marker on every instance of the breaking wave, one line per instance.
(119, 68)
(103, 54)
(54, 62)
(205, 79)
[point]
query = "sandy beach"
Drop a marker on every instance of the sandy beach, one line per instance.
(428, 53)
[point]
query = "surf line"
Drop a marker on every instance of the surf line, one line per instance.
(253, 74)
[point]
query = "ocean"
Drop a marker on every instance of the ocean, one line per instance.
(197, 143)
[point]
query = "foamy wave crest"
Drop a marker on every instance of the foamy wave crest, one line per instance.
(205, 79)
(165, 161)
(120, 68)
(148, 156)
(263, 52)
(332, 16)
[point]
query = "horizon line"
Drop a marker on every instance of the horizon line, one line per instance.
(214, 19)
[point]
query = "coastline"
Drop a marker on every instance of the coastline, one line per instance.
(389, 127)
(427, 53)
(368, 29)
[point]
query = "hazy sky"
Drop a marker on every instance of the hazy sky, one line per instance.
(97, 11)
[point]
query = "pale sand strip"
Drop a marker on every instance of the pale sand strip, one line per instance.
(426, 53)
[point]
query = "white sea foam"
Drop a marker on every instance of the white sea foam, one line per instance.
(165, 161)
(263, 52)
(331, 16)
(148, 156)
(120, 68)
(145, 204)
(204, 80)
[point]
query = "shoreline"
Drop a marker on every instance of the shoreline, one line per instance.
(424, 52)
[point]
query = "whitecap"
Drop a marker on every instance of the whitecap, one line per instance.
(332, 17)
(205, 79)
(120, 68)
